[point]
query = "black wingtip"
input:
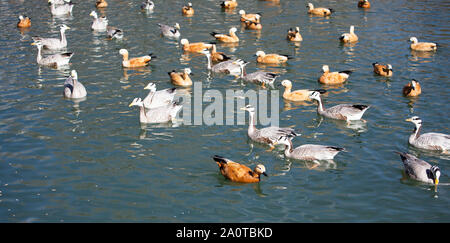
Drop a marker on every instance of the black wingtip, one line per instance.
(375, 63)
(219, 159)
(322, 91)
(360, 107)
(213, 33)
(346, 72)
(332, 10)
(337, 148)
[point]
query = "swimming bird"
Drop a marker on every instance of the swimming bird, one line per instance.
(308, 151)
(181, 78)
(253, 25)
(422, 46)
(73, 88)
(272, 58)
(147, 5)
(188, 10)
(218, 56)
(231, 67)
(364, 4)
(319, 11)
(99, 23)
(333, 77)
(54, 43)
(194, 47)
(230, 38)
(294, 35)
(61, 9)
(114, 33)
(55, 60)
(229, 4)
(238, 172)
(347, 112)
(158, 98)
(349, 37)
(412, 89)
(59, 2)
(169, 31)
(161, 114)
(297, 95)
(383, 70)
(249, 17)
(137, 61)
(431, 140)
(258, 77)
(24, 22)
(101, 4)
(420, 170)
(268, 135)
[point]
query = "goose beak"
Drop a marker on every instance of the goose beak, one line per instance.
(33, 44)
(243, 109)
(408, 120)
(436, 182)
(264, 173)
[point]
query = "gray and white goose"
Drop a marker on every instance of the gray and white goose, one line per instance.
(148, 5)
(60, 9)
(73, 88)
(54, 43)
(431, 140)
(420, 170)
(162, 114)
(347, 112)
(170, 31)
(258, 77)
(114, 33)
(268, 135)
(308, 151)
(98, 23)
(158, 98)
(232, 67)
(55, 60)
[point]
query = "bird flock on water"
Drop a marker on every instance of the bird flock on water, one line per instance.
(160, 107)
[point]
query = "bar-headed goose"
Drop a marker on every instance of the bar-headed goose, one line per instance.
(55, 60)
(161, 114)
(429, 141)
(54, 43)
(158, 98)
(420, 170)
(309, 151)
(347, 112)
(73, 88)
(268, 135)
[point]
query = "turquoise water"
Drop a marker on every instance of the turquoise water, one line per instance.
(92, 161)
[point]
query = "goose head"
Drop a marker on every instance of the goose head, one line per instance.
(151, 87)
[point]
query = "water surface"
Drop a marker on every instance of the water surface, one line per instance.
(91, 161)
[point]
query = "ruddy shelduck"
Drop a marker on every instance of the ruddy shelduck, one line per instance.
(188, 10)
(333, 77)
(412, 89)
(363, 4)
(272, 58)
(349, 37)
(24, 22)
(230, 38)
(319, 11)
(194, 47)
(297, 95)
(250, 17)
(237, 172)
(252, 25)
(135, 62)
(181, 78)
(294, 35)
(218, 56)
(383, 70)
(101, 4)
(229, 4)
(422, 46)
